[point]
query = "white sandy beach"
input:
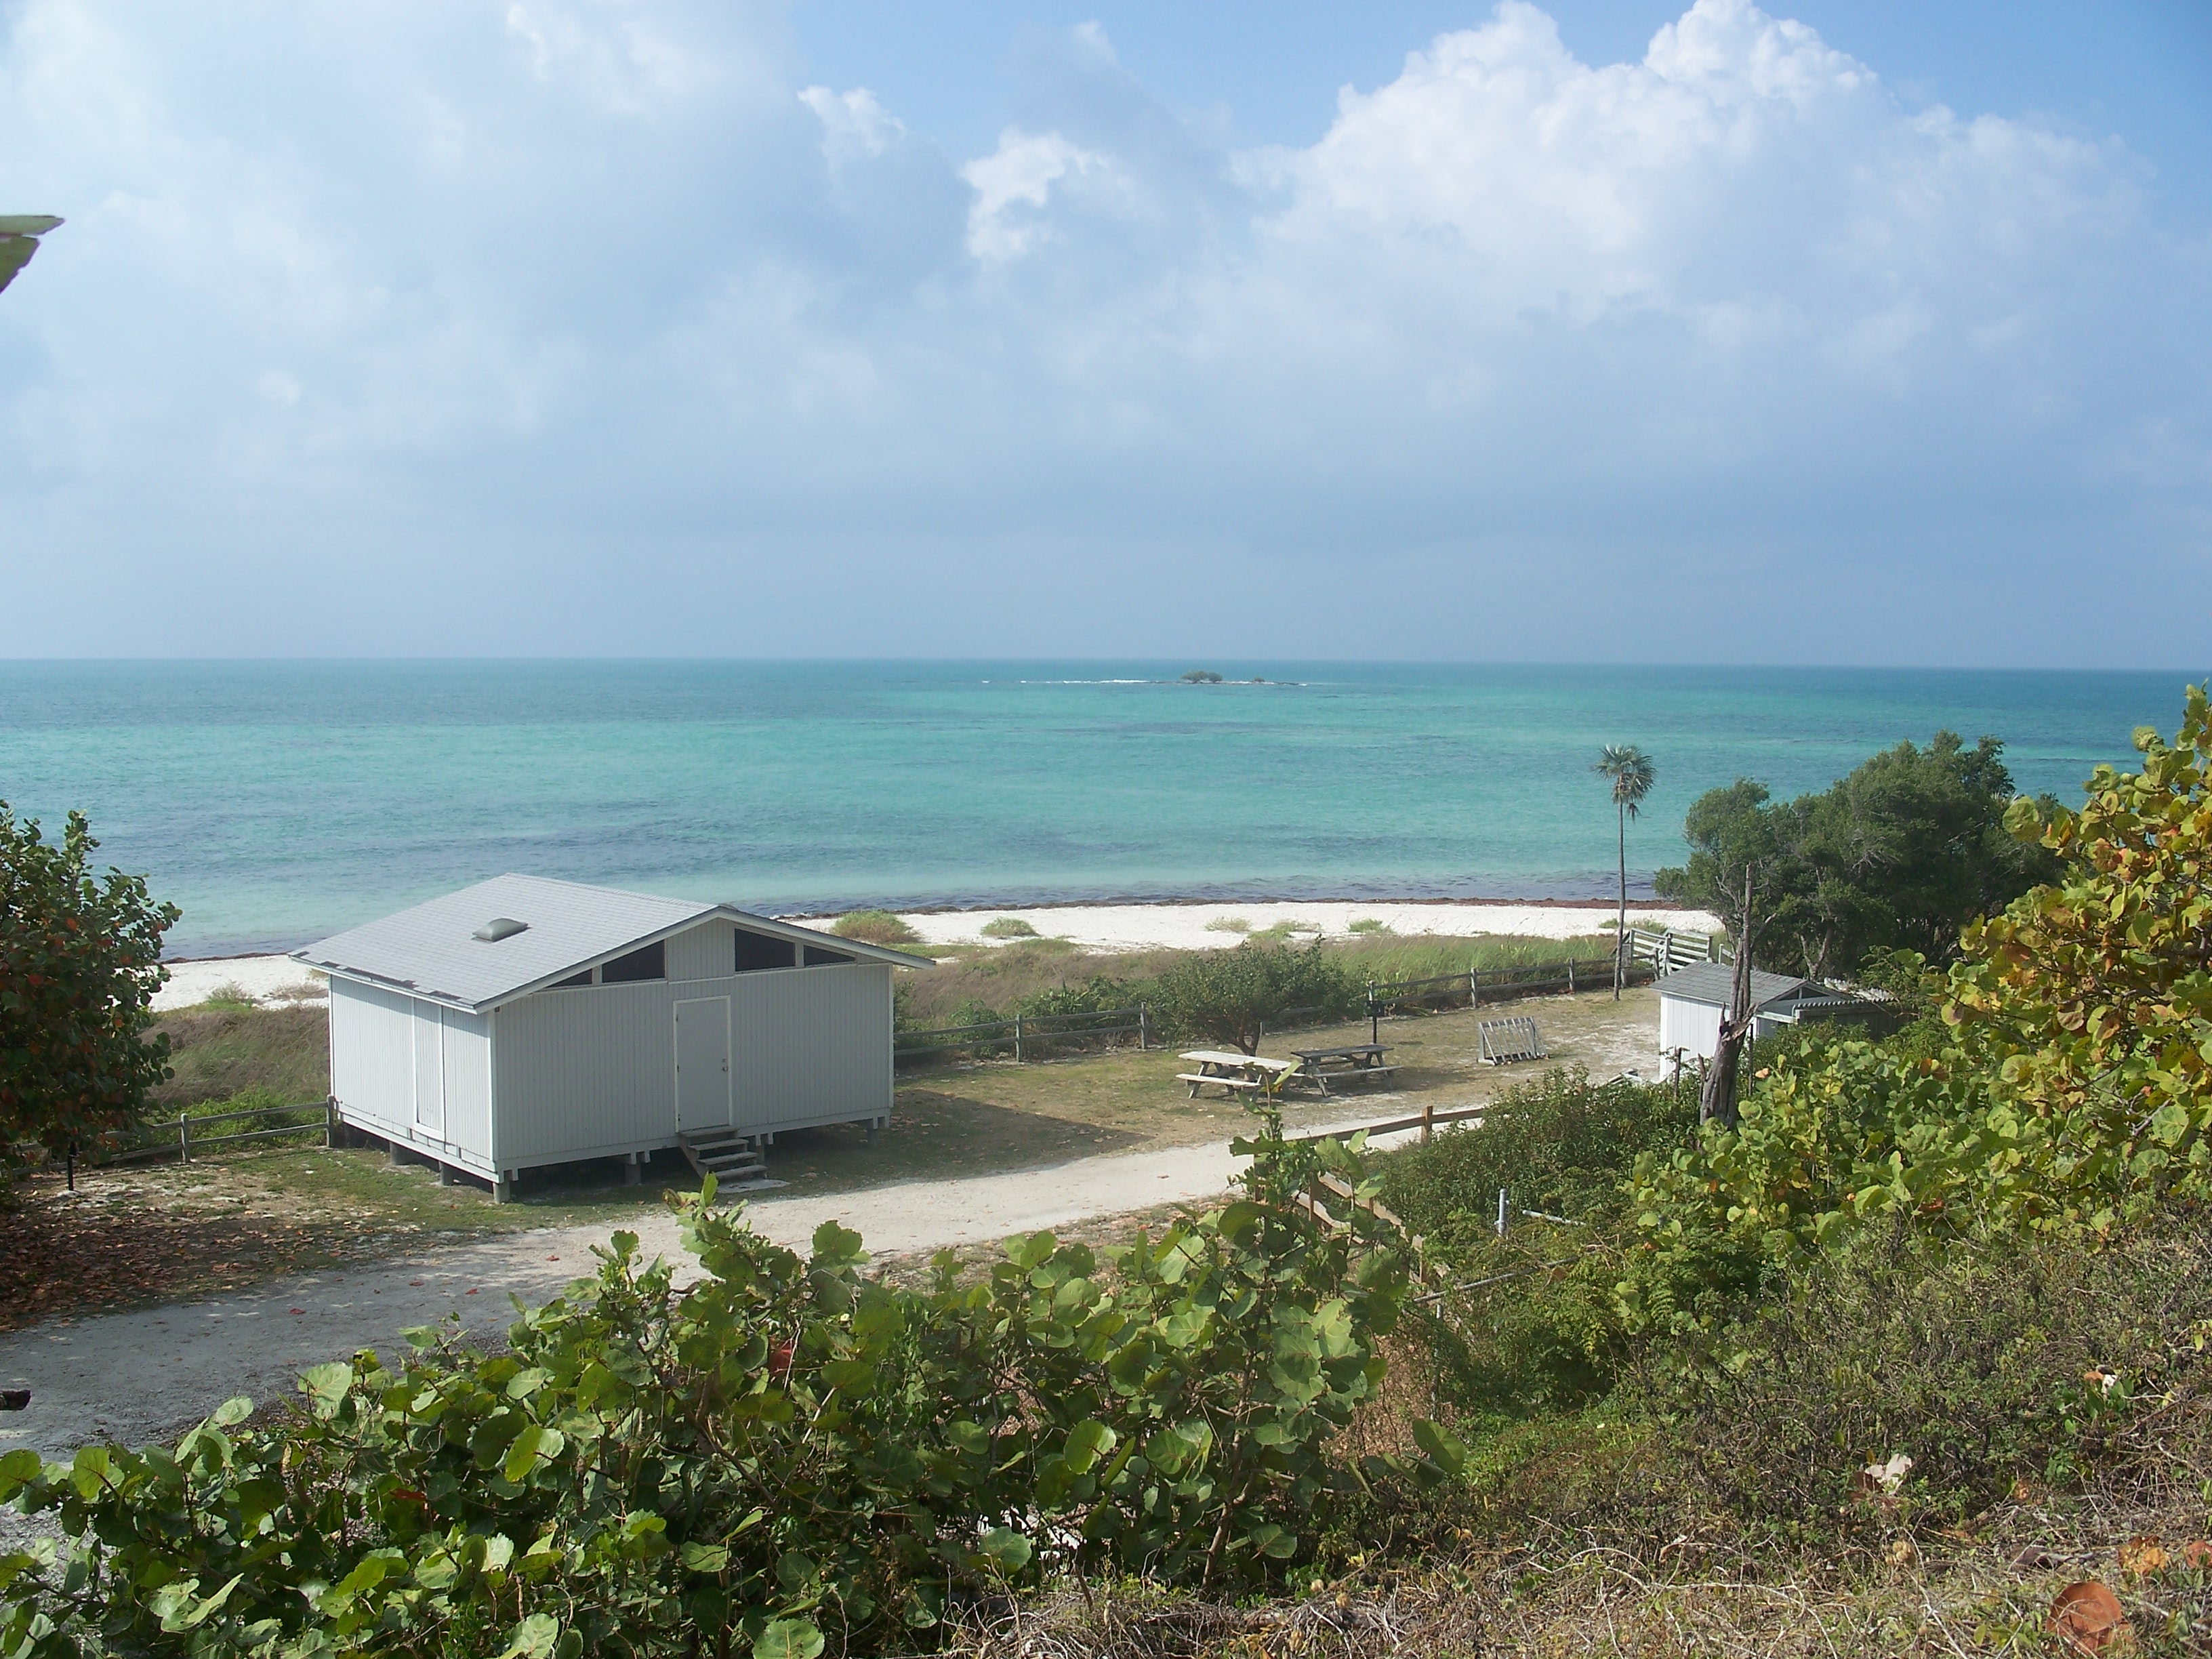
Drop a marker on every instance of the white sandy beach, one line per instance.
(1101, 927)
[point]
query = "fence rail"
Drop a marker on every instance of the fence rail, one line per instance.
(1476, 985)
(187, 1140)
(1025, 1032)
(1676, 948)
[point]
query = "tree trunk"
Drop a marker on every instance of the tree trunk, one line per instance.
(1621, 925)
(1716, 1103)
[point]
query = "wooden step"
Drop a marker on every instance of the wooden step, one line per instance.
(734, 1159)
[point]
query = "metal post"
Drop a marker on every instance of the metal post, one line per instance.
(330, 1121)
(1501, 1212)
(1017, 1039)
(1373, 1015)
(1473, 988)
(184, 1139)
(1571, 977)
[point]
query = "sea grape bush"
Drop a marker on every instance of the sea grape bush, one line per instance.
(779, 1455)
(80, 961)
(2072, 1090)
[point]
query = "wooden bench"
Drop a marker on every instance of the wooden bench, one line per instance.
(1199, 1080)
(1507, 1040)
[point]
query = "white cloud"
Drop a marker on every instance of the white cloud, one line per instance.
(562, 293)
(1020, 175)
(855, 126)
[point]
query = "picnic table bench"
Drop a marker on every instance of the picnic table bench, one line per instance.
(1235, 1073)
(1355, 1062)
(1505, 1040)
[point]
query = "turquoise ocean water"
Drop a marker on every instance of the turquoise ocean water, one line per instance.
(277, 801)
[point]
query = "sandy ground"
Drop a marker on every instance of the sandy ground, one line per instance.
(264, 979)
(1203, 927)
(150, 1374)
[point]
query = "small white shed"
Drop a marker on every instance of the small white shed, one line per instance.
(526, 1022)
(1692, 1000)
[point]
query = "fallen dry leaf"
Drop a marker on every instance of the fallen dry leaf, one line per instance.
(2086, 1617)
(1901, 1553)
(2197, 1555)
(2140, 1556)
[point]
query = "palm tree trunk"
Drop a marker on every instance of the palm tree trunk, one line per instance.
(1621, 923)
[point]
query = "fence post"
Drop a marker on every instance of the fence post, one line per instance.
(1374, 1016)
(1017, 1039)
(1144, 1026)
(184, 1139)
(1475, 987)
(330, 1120)
(1428, 1118)
(1571, 977)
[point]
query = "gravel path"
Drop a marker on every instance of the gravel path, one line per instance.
(150, 1374)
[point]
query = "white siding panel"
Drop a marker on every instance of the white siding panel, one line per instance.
(812, 1046)
(587, 1072)
(707, 951)
(468, 1082)
(1694, 1028)
(373, 1057)
(429, 1071)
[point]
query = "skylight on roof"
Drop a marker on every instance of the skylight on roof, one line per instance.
(499, 927)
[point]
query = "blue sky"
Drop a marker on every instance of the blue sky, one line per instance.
(1841, 333)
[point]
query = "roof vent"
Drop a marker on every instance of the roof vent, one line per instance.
(499, 927)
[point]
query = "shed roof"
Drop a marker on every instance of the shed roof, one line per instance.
(434, 949)
(1713, 983)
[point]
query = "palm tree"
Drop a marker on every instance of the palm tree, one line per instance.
(1632, 775)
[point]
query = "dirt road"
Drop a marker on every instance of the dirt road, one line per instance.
(150, 1374)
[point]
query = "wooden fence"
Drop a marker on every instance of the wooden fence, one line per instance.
(156, 1140)
(1025, 1035)
(1478, 986)
(1674, 948)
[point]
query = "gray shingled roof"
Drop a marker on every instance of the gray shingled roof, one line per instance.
(1714, 982)
(432, 951)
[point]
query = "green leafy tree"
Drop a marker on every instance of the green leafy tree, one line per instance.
(1899, 854)
(1225, 996)
(80, 961)
(1629, 770)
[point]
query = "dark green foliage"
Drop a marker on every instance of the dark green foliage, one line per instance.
(80, 961)
(875, 928)
(1898, 854)
(783, 1455)
(1558, 1143)
(1535, 1330)
(2003, 1359)
(1224, 996)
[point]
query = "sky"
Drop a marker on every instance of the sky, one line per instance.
(1844, 333)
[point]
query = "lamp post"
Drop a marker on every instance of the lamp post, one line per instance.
(19, 241)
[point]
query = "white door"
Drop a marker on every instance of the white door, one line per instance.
(430, 1070)
(702, 1064)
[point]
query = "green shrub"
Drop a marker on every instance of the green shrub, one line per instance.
(779, 1456)
(1225, 996)
(1008, 927)
(1558, 1142)
(1369, 925)
(1984, 1363)
(874, 928)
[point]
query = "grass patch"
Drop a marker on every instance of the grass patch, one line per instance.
(218, 1053)
(1368, 926)
(1008, 927)
(874, 928)
(1229, 925)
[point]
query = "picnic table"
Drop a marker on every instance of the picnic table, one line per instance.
(1237, 1073)
(1355, 1062)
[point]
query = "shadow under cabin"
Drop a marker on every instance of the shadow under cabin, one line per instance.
(525, 1022)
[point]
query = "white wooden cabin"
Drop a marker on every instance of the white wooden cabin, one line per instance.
(526, 1022)
(1692, 1000)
